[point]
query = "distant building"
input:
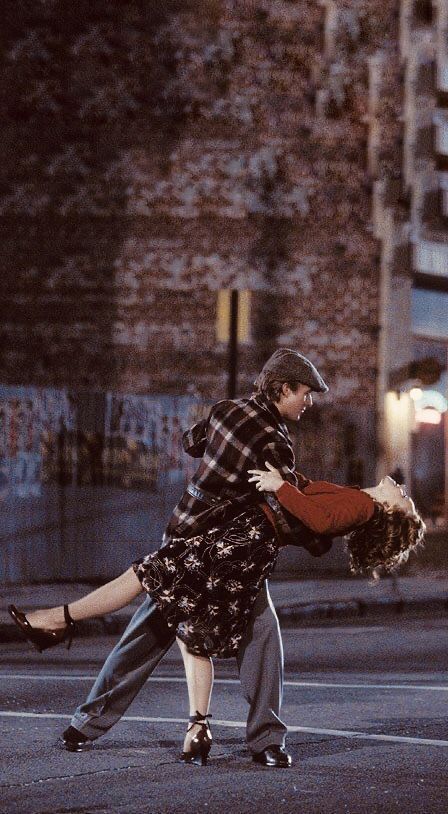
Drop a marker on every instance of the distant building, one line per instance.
(411, 220)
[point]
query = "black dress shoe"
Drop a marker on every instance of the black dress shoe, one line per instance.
(73, 740)
(275, 757)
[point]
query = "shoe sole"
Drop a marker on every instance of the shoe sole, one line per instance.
(273, 765)
(73, 747)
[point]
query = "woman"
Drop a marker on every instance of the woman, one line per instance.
(205, 586)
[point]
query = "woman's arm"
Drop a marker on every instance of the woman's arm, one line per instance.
(324, 507)
(327, 512)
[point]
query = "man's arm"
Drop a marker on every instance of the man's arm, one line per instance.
(280, 455)
(194, 440)
(269, 482)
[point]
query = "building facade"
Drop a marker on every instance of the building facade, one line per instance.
(411, 221)
(157, 158)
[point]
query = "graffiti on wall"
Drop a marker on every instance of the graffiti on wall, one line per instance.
(144, 439)
(137, 442)
(28, 419)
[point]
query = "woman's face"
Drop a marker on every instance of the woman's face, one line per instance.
(392, 494)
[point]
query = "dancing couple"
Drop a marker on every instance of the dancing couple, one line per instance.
(207, 584)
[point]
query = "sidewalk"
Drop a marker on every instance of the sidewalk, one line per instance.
(296, 601)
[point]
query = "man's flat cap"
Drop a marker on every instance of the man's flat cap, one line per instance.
(291, 365)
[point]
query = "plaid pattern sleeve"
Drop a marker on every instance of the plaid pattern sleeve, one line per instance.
(194, 440)
(240, 435)
(280, 455)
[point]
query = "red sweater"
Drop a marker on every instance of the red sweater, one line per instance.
(325, 507)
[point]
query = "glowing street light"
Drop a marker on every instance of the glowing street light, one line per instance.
(416, 393)
(428, 415)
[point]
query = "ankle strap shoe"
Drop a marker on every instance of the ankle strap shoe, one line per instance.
(43, 639)
(201, 743)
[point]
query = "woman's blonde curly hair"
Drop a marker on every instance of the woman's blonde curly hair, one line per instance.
(385, 541)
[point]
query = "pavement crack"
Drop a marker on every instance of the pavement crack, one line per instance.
(53, 778)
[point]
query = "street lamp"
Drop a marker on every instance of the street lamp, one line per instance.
(233, 328)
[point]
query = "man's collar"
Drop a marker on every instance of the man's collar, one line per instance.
(261, 399)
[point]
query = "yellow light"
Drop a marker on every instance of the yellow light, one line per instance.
(223, 316)
(416, 393)
(428, 416)
(244, 316)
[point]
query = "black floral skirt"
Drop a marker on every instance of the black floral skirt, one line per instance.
(206, 586)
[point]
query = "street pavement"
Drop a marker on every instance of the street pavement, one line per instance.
(365, 702)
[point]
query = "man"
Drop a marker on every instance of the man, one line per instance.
(238, 435)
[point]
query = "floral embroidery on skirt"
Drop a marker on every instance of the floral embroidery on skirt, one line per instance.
(206, 586)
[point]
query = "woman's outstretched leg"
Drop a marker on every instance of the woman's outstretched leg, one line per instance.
(199, 672)
(110, 597)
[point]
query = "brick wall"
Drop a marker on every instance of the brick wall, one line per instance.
(155, 154)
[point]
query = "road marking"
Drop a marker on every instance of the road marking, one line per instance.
(175, 679)
(310, 730)
(336, 685)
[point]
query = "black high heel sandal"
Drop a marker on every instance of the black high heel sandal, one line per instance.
(40, 638)
(201, 744)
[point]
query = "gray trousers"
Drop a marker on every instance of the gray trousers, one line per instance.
(145, 642)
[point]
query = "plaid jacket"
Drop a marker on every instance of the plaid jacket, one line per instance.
(237, 436)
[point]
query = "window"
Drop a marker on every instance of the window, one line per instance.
(430, 313)
(442, 137)
(443, 76)
(431, 257)
(423, 11)
(443, 184)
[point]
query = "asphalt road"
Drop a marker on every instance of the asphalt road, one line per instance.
(366, 706)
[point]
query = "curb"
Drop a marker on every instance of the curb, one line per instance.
(359, 609)
(105, 626)
(114, 625)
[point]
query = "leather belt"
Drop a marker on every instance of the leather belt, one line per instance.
(205, 497)
(224, 494)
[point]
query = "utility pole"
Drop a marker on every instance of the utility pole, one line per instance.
(232, 329)
(232, 359)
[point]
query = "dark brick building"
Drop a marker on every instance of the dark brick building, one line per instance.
(156, 155)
